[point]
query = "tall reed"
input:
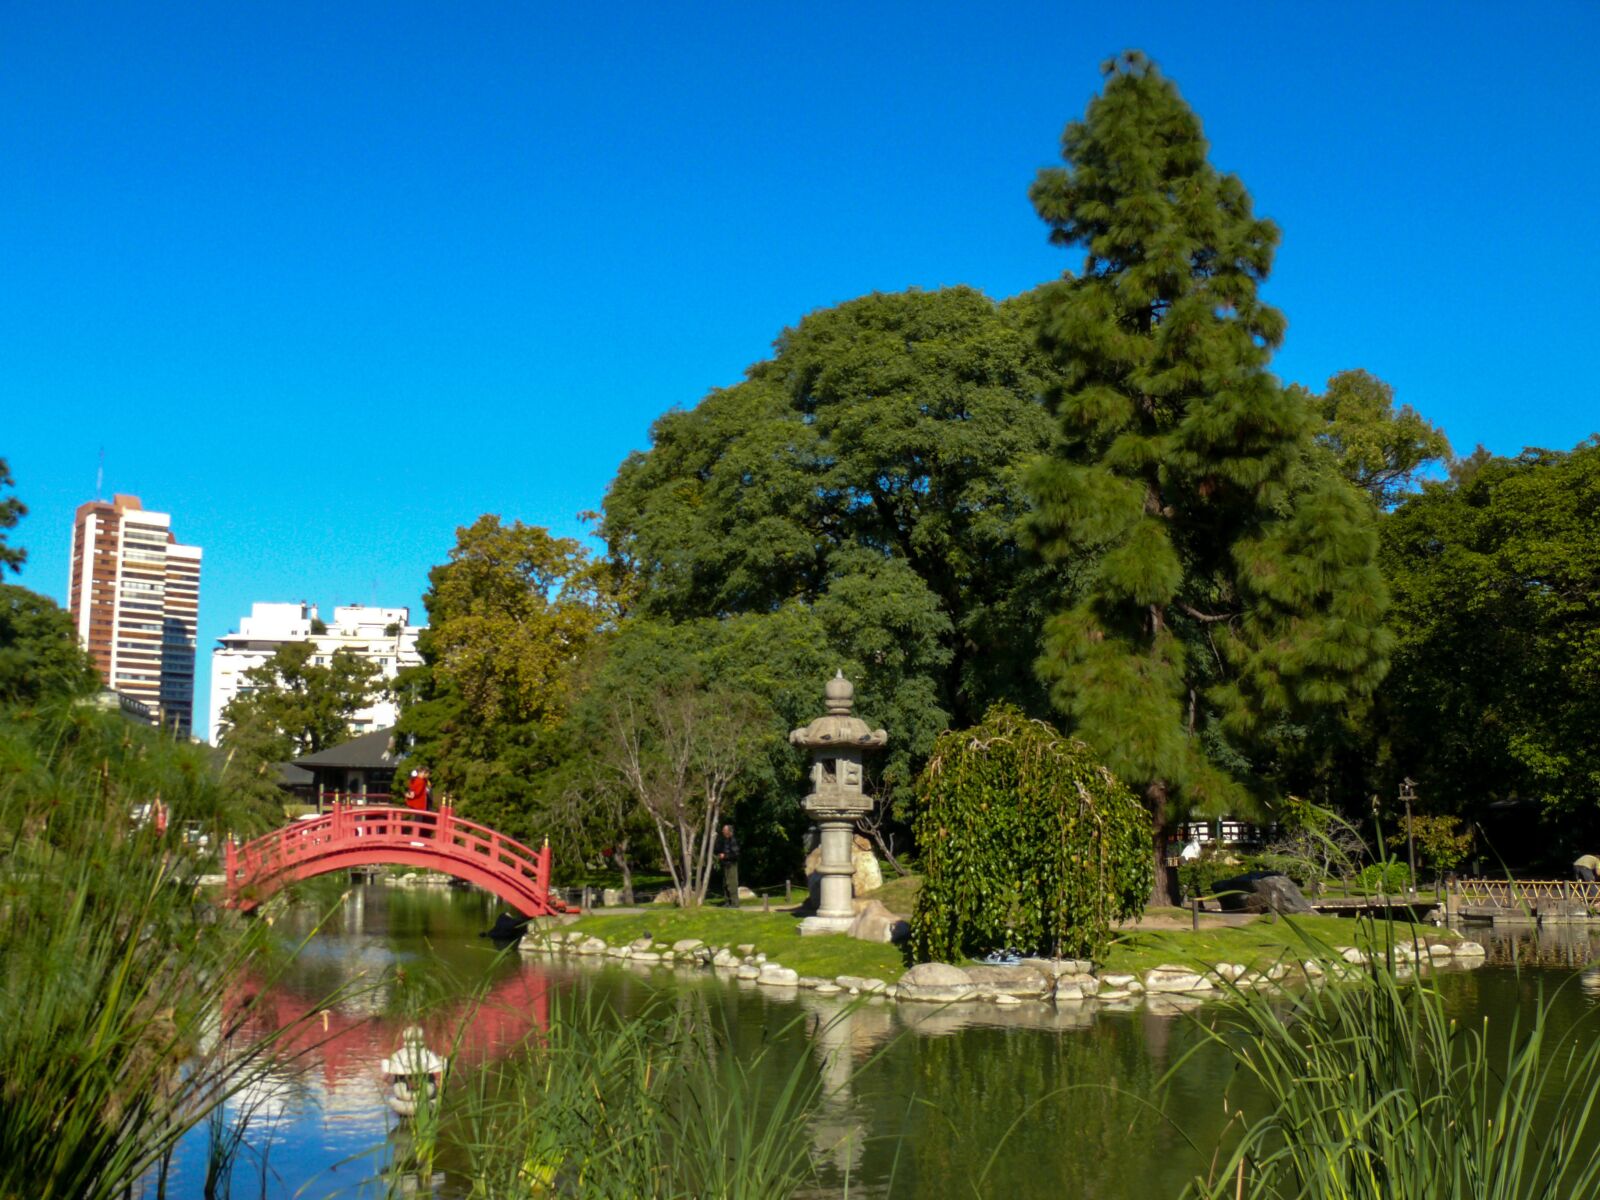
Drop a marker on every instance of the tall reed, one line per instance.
(656, 1105)
(1367, 1089)
(114, 1034)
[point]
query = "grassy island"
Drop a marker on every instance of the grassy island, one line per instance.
(1256, 944)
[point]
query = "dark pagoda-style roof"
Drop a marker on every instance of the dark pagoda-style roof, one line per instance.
(371, 752)
(290, 775)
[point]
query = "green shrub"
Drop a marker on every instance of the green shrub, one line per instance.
(1026, 841)
(1199, 878)
(1386, 877)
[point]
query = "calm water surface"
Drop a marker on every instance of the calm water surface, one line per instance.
(987, 1102)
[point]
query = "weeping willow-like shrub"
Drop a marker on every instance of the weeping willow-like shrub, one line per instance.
(1027, 841)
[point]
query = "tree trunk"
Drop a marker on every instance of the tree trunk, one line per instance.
(1163, 892)
(619, 855)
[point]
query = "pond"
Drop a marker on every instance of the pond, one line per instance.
(978, 1101)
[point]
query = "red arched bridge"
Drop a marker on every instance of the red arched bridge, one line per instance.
(357, 836)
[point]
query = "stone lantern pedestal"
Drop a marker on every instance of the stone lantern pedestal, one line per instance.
(839, 743)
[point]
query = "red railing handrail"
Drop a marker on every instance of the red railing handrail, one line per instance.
(298, 845)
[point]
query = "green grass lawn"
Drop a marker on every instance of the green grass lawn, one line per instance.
(777, 935)
(899, 895)
(1259, 944)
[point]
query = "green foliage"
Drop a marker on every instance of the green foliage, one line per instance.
(1388, 878)
(12, 510)
(1027, 841)
(1233, 583)
(1442, 840)
(1380, 450)
(769, 668)
(39, 652)
(1375, 1090)
(1496, 688)
(112, 977)
(510, 616)
(291, 705)
(661, 1106)
(1199, 877)
(870, 472)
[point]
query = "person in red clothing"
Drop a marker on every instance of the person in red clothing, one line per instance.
(417, 791)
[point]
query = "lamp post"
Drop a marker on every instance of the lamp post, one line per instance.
(1408, 793)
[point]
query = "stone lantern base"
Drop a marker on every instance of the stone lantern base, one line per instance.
(836, 909)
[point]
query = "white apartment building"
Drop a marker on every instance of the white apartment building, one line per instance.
(384, 637)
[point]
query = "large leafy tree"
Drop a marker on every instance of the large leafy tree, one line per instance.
(1381, 449)
(1495, 694)
(292, 705)
(1234, 582)
(870, 469)
(39, 652)
(510, 615)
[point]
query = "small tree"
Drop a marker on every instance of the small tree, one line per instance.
(297, 706)
(1026, 840)
(1444, 841)
(1314, 844)
(679, 752)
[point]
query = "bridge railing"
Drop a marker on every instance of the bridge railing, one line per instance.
(284, 850)
(1523, 893)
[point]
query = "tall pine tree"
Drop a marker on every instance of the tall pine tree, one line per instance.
(1234, 588)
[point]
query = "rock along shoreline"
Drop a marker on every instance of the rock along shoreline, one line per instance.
(1062, 981)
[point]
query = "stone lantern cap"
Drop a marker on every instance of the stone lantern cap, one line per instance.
(839, 727)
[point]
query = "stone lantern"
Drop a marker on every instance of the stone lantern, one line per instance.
(838, 743)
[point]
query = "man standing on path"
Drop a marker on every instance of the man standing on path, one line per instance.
(727, 851)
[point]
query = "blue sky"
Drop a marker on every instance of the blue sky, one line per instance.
(328, 281)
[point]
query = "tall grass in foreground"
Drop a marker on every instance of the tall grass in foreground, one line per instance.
(115, 1038)
(1366, 1089)
(658, 1105)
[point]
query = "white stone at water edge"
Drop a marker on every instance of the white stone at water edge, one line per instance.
(773, 975)
(1469, 950)
(684, 945)
(644, 956)
(724, 958)
(1168, 979)
(748, 971)
(1439, 950)
(935, 983)
(857, 983)
(1351, 955)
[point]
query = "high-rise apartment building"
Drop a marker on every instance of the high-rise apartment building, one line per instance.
(134, 595)
(384, 637)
